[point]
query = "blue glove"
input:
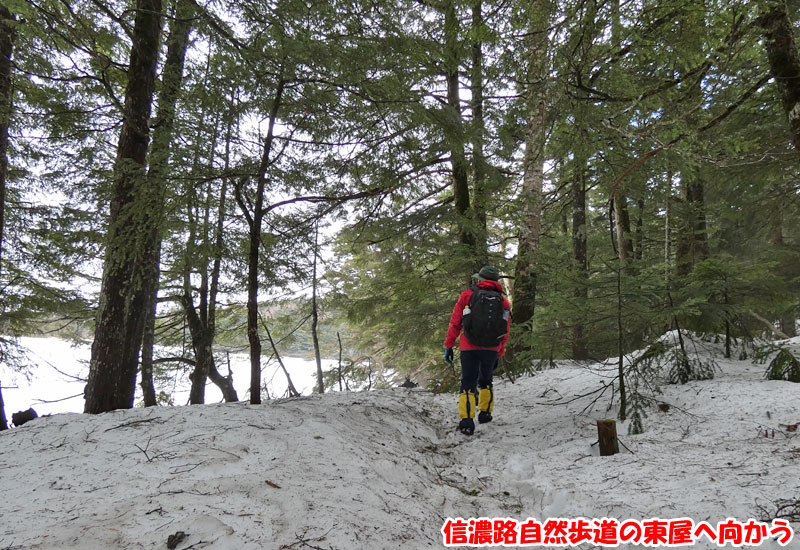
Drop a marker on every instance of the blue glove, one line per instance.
(448, 355)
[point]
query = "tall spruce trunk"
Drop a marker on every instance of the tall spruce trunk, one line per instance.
(149, 335)
(196, 261)
(255, 222)
(6, 50)
(171, 78)
(315, 317)
(204, 254)
(533, 175)
(622, 219)
(692, 239)
(580, 264)
(456, 140)
(123, 296)
(639, 232)
(784, 61)
(480, 172)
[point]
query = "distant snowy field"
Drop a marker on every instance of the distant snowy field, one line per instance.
(55, 381)
(386, 469)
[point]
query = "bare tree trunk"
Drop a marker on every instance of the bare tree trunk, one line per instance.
(255, 222)
(315, 317)
(123, 299)
(533, 173)
(784, 60)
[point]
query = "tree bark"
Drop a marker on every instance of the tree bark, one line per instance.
(607, 436)
(171, 78)
(621, 216)
(205, 367)
(693, 242)
(784, 60)
(454, 131)
(533, 175)
(315, 318)
(692, 239)
(255, 222)
(201, 318)
(123, 298)
(580, 264)
(786, 319)
(638, 252)
(622, 222)
(6, 51)
(149, 336)
(480, 172)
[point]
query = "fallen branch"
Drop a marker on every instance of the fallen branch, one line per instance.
(568, 401)
(291, 389)
(768, 325)
(136, 423)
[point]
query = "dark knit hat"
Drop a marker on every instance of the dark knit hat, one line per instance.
(488, 273)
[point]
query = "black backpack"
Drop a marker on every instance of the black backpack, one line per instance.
(486, 323)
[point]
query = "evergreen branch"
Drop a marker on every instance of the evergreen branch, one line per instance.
(325, 198)
(218, 26)
(102, 6)
(712, 123)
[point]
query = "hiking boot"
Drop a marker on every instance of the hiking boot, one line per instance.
(484, 417)
(466, 426)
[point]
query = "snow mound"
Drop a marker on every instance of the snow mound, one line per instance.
(385, 469)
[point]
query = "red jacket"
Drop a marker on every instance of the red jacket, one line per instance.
(455, 320)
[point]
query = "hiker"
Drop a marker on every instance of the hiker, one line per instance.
(485, 316)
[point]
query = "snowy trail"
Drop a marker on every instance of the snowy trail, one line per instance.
(384, 469)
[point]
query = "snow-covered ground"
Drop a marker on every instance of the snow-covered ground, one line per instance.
(385, 469)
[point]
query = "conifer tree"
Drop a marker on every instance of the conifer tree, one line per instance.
(122, 310)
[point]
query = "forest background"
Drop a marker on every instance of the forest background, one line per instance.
(234, 175)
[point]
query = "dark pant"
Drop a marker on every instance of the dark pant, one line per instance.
(477, 366)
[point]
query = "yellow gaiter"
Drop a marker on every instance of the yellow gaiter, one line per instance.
(486, 399)
(466, 404)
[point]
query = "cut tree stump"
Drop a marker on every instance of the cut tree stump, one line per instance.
(607, 436)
